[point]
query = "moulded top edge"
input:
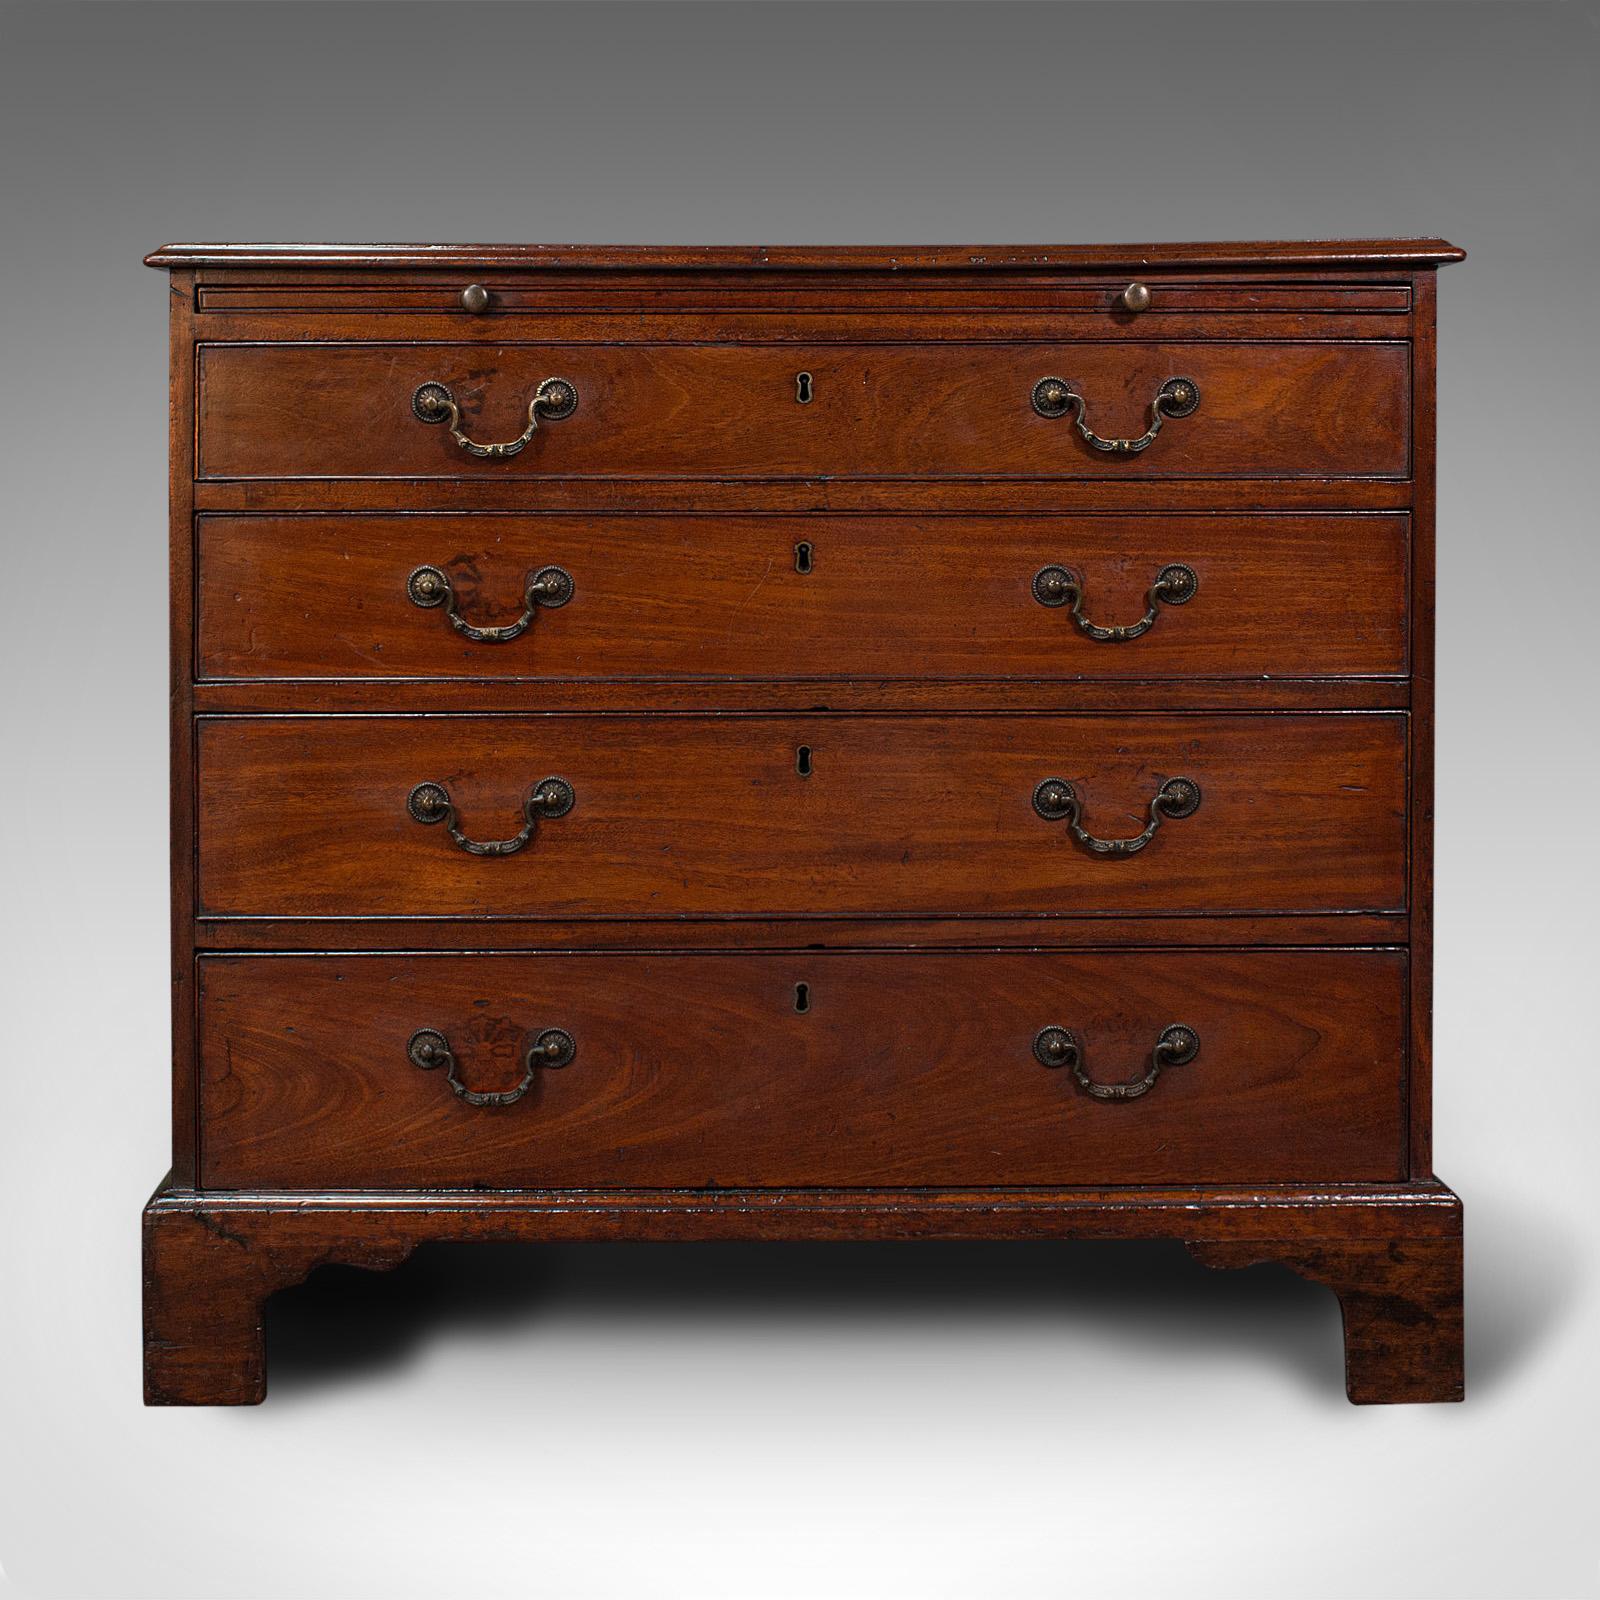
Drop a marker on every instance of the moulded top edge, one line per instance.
(1309, 253)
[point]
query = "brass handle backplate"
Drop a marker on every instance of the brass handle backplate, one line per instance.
(1056, 800)
(1059, 1047)
(429, 803)
(431, 586)
(1177, 397)
(554, 399)
(1175, 585)
(430, 1049)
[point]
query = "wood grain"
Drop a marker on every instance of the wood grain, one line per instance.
(978, 495)
(1401, 1300)
(898, 932)
(710, 816)
(938, 409)
(1425, 427)
(699, 878)
(713, 299)
(182, 821)
(981, 260)
(903, 1069)
(795, 696)
(708, 597)
(212, 1259)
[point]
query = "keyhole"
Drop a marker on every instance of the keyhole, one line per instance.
(802, 388)
(802, 761)
(802, 997)
(802, 556)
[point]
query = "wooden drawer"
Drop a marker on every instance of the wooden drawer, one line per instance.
(799, 815)
(704, 1071)
(950, 409)
(750, 597)
(1097, 303)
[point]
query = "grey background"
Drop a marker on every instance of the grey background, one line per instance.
(920, 1421)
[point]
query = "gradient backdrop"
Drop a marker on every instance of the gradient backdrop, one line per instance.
(708, 1422)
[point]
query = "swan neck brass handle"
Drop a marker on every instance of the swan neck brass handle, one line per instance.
(1055, 397)
(1060, 1047)
(429, 1049)
(553, 399)
(1056, 800)
(430, 803)
(1175, 585)
(431, 586)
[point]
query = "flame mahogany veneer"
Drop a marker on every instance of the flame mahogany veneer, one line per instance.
(615, 693)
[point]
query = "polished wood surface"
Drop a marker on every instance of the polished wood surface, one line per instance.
(804, 696)
(713, 298)
(968, 259)
(1392, 1253)
(712, 816)
(907, 881)
(1401, 1300)
(1036, 931)
(988, 495)
(925, 599)
(1424, 498)
(699, 1070)
(934, 410)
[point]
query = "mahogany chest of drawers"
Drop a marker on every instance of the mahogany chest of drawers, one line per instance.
(802, 744)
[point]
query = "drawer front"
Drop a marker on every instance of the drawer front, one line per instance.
(1097, 304)
(799, 815)
(701, 1070)
(947, 410)
(1269, 595)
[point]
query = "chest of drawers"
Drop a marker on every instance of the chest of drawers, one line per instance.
(802, 744)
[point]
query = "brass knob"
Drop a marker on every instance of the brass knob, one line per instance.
(554, 1046)
(1136, 297)
(1053, 585)
(429, 586)
(475, 298)
(1051, 397)
(1054, 1047)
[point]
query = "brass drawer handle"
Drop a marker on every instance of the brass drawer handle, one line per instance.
(429, 1049)
(431, 586)
(1175, 585)
(1177, 397)
(1059, 1047)
(1056, 800)
(429, 803)
(553, 399)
